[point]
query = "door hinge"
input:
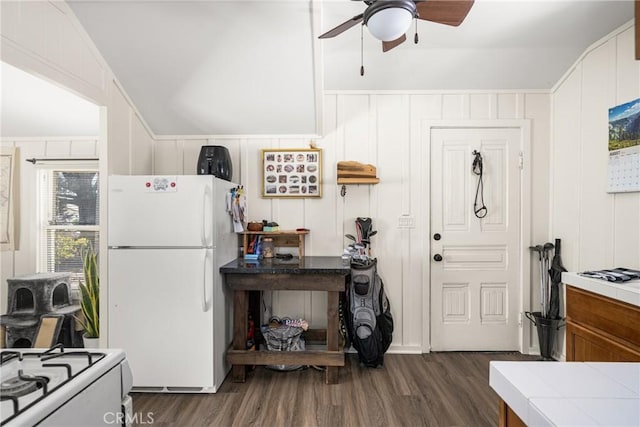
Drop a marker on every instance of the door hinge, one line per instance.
(520, 319)
(521, 160)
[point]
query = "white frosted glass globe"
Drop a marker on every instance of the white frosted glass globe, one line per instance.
(389, 24)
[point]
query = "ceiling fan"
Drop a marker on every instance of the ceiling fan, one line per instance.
(389, 20)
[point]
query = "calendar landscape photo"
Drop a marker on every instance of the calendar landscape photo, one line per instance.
(623, 169)
(624, 125)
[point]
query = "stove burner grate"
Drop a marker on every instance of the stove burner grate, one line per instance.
(19, 386)
(56, 357)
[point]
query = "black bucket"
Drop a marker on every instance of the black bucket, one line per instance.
(546, 332)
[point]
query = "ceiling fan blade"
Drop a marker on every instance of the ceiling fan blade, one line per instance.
(387, 46)
(448, 12)
(343, 27)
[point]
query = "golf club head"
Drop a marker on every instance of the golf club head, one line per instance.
(546, 248)
(538, 249)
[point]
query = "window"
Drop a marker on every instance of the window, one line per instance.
(68, 216)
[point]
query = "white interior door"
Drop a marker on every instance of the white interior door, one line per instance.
(475, 285)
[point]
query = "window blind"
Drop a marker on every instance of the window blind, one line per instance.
(70, 218)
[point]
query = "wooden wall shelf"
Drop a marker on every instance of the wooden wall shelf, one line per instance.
(350, 172)
(347, 181)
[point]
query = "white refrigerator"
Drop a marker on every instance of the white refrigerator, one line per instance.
(168, 307)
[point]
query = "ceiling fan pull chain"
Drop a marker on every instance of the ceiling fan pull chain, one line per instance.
(415, 38)
(362, 50)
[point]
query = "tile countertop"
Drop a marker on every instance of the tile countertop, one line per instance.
(570, 393)
(628, 292)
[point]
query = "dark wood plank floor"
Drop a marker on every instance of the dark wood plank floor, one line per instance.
(436, 389)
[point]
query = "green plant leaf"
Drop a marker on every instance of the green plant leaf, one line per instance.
(90, 294)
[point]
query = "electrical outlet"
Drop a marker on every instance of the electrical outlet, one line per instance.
(406, 221)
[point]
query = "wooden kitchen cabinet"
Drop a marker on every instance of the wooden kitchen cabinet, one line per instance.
(601, 329)
(506, 416)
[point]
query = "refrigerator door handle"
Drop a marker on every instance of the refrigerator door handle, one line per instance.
(204, 282)
(205, 237)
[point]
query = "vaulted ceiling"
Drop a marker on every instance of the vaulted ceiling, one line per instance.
(33, 107)
(210, 67)
(257, 67)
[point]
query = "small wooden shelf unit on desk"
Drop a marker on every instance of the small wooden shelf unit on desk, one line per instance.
(282, 238)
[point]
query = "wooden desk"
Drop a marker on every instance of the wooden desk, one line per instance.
(298, 274)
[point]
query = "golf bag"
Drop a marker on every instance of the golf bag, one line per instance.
(369, 321)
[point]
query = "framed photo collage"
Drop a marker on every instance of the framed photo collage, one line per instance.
(292, 172)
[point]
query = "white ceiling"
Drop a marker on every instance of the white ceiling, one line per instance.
(32, 107)
(247, 67)
(514, 44)
(210, 67)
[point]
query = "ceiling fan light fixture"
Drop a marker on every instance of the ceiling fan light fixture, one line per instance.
(388, 20)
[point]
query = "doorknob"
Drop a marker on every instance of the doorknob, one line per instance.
(437, 257)
(437, 236)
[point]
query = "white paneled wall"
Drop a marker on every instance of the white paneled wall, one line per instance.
(598, 230)
(567, 162)
(45, 39)
(22, 260)
(626, 250)
(384, 129)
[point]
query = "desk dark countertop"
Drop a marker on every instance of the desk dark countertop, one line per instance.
(304, 265)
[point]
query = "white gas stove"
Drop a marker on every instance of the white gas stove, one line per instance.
(65, 387)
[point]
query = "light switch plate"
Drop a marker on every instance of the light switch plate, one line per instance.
(406, 221)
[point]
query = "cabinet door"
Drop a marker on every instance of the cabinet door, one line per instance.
(611, 318)
(585, 345)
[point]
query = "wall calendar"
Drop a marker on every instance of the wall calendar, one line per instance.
(624, 148)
